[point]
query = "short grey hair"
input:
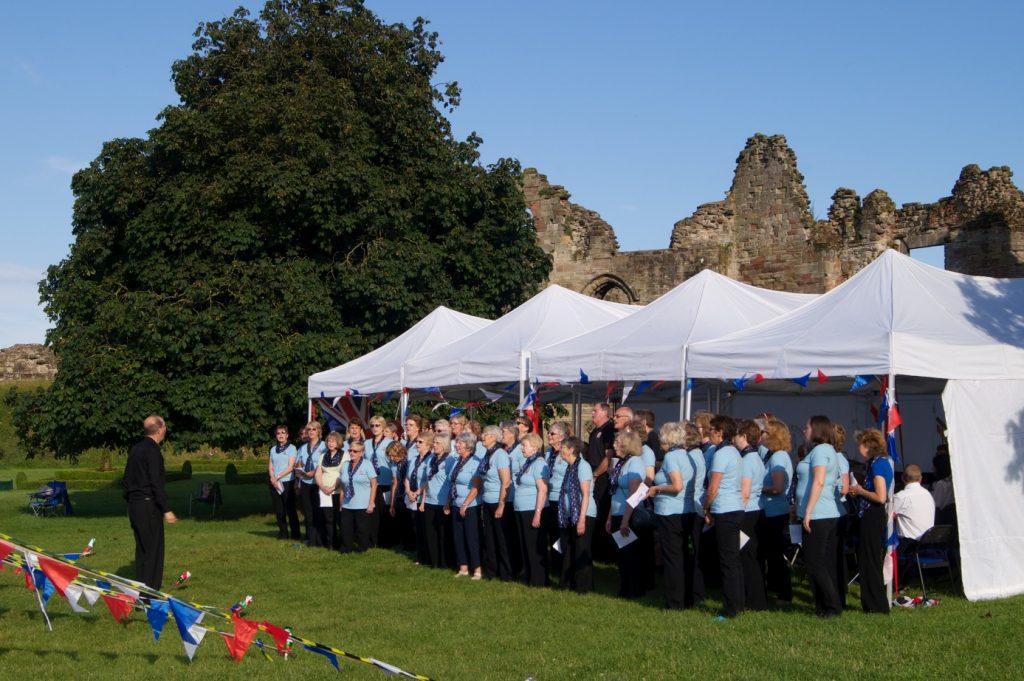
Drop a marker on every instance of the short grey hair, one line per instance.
(468, 438)
(493, 431)
(673, 434)
(511, 427)
(445, 439)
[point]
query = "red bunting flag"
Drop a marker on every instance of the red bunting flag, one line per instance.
(821, 377)
(245, 631)
(758, 378)
(279, 635)
(61, 574)
(894, 419)
(5, 549)
(119, 605)
(609, 389)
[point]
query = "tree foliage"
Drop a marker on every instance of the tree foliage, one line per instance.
(303, 203)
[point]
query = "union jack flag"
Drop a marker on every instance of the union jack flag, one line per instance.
(340, 411)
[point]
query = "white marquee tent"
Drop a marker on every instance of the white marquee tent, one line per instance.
(500, 353)
(649, 345)
(899, 317)
(381, 370)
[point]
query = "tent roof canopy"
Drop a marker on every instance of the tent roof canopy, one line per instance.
(381, 369)
(648, 345)
(497, 353)
(897, 316)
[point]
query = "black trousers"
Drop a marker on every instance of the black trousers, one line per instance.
(148, 527)
(309, 497)
(674, 537)
(753, 579)
(820, 559)
(419, 521)
(466, 537)
(436, 529)
(603, 547)
(631, 583)
(285, 511)
(382, 526)
(843, 530)
(772, 540)
(577, 561)
(496, 558)
(693, 523)
(329, 517)
(533, 541)
(727, 534)
(355, 529)
(549, 522)
(871, 558)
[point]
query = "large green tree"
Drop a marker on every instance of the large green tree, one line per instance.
(305, 202)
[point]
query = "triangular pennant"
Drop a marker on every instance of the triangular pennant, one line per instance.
(326, 653)
(185, 616)
(91, 594)
(73, 592)
(455, 411)
(279, 635)
(245, 630)
(584, 379)
(821, 377)
(740, 383)
(491, 397)
(61, 574)
(627, 388)
(802, 381)
(657, 385)
(5, 549)
(859, 382)
(119, 605)
(44, 585)
(196, 633)
(608, 390)
(894, 418)
(642, 386)
(157, 613)
(758, 378)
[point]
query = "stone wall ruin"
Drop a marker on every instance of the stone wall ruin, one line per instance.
(763, 232)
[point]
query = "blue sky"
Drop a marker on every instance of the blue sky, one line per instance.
(638, 109)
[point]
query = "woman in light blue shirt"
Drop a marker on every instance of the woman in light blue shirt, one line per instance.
(358, 485)
(463, 506)
(382, 532)
(531, 492)
(306, 462)
(498, 524)
(436, 489)
(576, 515)
(693, 516)
(820, 516)
(724, 502)
(748, 433)
(415, 487)
(327, 472)
(558, 433)
(624, 477)
(773, 537)
(669, 494)
(280, 469)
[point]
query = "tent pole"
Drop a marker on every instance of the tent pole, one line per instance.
(403, 401)
(522, 376)
(682, 385)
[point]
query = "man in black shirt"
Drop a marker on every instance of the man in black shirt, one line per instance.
(143, 485)
(599, 451)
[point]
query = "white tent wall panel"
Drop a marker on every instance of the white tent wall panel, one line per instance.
(986, 447)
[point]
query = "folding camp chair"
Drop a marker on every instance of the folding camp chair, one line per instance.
(209, 493)
(935, 549)
(50, 500)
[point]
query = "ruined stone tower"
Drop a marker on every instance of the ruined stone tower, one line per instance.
(763, 232)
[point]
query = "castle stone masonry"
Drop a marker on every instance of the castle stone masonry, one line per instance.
(763, 233)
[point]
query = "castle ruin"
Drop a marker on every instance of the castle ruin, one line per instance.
(763, 232)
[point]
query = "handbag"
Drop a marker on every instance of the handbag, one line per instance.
(642, 518)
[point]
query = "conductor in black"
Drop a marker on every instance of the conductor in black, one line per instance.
(148, 508)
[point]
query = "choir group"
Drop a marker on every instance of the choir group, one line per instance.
(710, 501)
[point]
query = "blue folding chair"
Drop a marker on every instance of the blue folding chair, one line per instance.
(50, 500)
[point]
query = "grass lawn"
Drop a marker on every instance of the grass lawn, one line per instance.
(379, 604)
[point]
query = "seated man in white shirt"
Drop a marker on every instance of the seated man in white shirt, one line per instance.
(913, 506)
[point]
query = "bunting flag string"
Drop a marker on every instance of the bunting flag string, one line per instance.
(117, 594)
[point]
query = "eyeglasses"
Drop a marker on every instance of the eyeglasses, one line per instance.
(622, 416)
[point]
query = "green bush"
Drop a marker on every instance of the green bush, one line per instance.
(87, 475)
(186, 470)
(231, 474)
